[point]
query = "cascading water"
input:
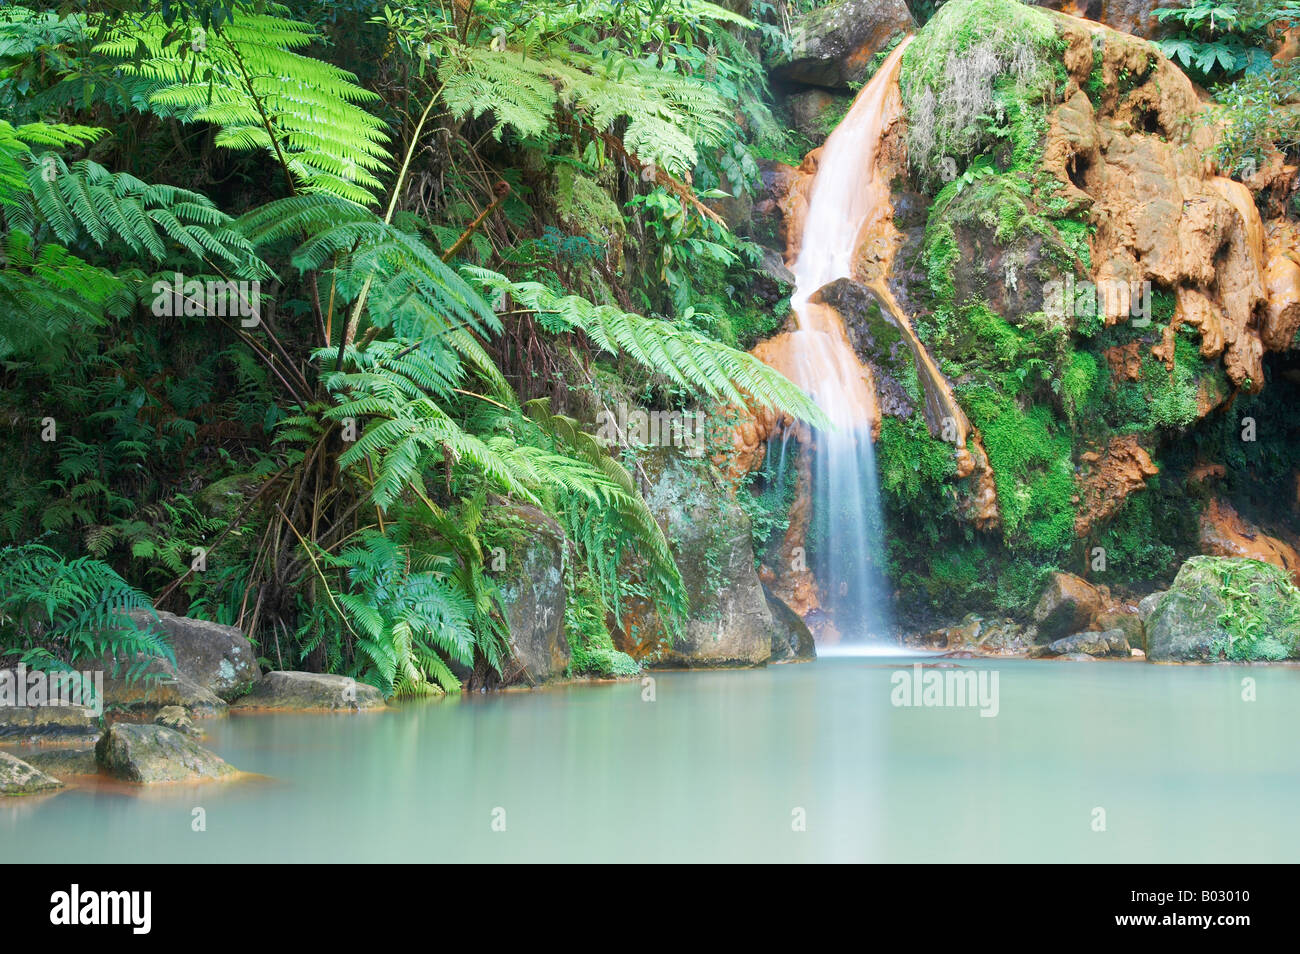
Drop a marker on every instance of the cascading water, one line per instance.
(846, 539)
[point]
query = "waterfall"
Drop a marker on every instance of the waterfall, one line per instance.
(846, 538)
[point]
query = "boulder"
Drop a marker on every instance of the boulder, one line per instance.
(218, 658)
(1110, 643)
(147, 754)
(174, 717)
(1223, 532)
(1223, 608)
(139, 687)
(792, 640)
(46, 724)
(1148, 604)
(1125, 619)
(62, 762)
(532, 588)
(729, 622)
(814, 113)
(19, 778)
(834, 45)
(1067, 605)
(310, 692)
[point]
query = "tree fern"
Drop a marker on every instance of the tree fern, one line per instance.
(245, 77)
(152, 221)
(56, 612)
(690, 359)
(411, 289)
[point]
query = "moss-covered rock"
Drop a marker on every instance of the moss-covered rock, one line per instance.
(835, 45)
(532, 588)
(729, 623)
(19, 778)
(147, 754)
(1225, 609)
(310, 692)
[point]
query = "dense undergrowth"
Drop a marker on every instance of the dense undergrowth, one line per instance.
(442, 239)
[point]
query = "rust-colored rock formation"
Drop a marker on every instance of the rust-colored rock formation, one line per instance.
(1109, 478)
(1223, 532)
(1161, 215)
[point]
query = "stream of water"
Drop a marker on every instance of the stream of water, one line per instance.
(719, 767)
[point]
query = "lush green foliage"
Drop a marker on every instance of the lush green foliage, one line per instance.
(424, 286)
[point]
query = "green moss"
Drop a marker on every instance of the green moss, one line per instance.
(591, 647)
(975, 63)
(913, 464)
(1080, 383)
(1261, 608)
(1031, 458)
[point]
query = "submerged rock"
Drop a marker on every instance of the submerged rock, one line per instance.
(61, 762)
(310, 692)
(46, 724)
(147, 754)
(19, 778)
(1223, 608)
(1110, 643)
(835, 44)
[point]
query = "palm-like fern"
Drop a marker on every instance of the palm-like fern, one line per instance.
(410, 288)
(246, 78)
(690, 359)
(55, 612)
(150, 220)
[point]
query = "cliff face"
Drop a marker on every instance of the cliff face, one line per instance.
(1115, 318)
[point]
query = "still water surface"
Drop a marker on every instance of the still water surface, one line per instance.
(718, 767)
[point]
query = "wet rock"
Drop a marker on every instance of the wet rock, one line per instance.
(1126, 620)
(814, 113)
(147, 754)
(310, 692)
(792, 640)
(1067, 605)
(217, 658)
(1223, 532)
(1131, 16)
(174, 717)
(19, 778)
(62, 763)
(835, 44)
(1111, 643)
(140, 686)
(532, 586)
(729, 622)
(1221, 608)
(1108, 480)
(46, 724)
(978, 634)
